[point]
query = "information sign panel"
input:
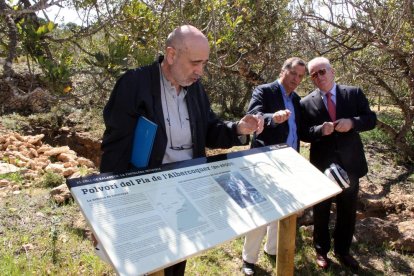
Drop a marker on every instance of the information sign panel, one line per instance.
(147, 220)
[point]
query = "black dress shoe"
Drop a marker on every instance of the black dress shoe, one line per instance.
(248, 268)
(348, 260)
(323, 261)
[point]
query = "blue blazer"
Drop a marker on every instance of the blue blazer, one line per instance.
(266, 100)
(344, 148)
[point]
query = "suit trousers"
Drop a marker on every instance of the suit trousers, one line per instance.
(346, 205)
(175, 270)
(253, 241)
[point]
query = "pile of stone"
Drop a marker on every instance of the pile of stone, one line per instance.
(31, 157)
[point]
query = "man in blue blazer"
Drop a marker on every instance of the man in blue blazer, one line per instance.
(279, 105)
(332, 117)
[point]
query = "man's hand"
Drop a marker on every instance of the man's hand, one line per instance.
(341, 125)
(328, 128)
(249, 124)
(281, 116)
(344, 125)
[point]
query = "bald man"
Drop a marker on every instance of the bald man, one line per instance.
(170, 94)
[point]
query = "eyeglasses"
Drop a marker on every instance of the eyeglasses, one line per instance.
(320, 72)
(183, 147)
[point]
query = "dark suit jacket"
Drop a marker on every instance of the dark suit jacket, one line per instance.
(266, 100)
(138, 93)
(344, 148)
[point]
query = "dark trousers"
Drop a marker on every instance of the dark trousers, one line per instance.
(346, 205)
(175, 270)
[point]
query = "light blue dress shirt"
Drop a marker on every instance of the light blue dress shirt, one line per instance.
(333, 97)
(292, 139)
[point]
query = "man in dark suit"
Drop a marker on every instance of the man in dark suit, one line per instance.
(332, 117)
(279, 105)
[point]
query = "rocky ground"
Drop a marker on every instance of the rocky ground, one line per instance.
(387, 201)
(385, 213)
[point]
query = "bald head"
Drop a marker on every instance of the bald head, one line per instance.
(184, 36)
(186, 53)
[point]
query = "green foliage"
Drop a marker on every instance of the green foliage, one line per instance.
(50, 180)
(84, 171)
(370, 46)
(15, 177)
(132, 46)
(142, 26)
(247, 39)
(45, 28)
(115, 60)
(376, 135)
(140, 32)
(31, 37)
(57, 72)
(55, 66)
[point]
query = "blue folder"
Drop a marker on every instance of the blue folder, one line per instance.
(143, 140)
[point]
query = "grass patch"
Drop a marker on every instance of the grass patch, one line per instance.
(375, 135)
(305, 150)
(14, 122)
(221, 260)
(50, 180)
(15, 177)
(395, 119)
(44, 244)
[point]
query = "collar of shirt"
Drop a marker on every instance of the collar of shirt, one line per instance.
(333, 92)
(283, 91)
(169, 88)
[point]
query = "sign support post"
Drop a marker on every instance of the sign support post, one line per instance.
(158, 273)
(286, 246)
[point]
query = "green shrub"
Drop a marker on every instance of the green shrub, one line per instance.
(375, 135)
(51, 180)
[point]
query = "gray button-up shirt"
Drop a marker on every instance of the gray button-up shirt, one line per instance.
(177, 123)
